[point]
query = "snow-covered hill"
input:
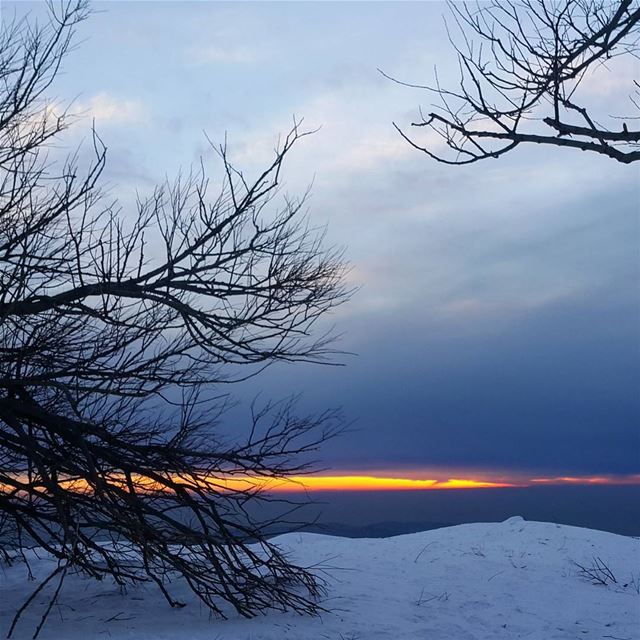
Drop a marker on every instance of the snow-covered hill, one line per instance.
(507, 580)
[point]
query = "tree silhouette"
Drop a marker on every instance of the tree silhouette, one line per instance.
(114, 328)
(522, 67)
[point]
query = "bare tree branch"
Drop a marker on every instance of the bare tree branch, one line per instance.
(116, 329)
(522, 65)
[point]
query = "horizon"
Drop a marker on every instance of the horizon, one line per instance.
(423, 480)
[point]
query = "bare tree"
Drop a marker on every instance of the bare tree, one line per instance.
(114, 328)
(522, 64)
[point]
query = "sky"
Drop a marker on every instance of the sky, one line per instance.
(496, 326)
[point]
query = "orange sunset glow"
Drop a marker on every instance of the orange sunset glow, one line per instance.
(373, 481)
(379, 483)
(383, 482)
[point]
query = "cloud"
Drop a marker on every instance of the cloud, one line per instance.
(348, 140)
(107, 109)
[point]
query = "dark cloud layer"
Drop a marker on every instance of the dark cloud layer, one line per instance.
(556, 391)
(550, 386)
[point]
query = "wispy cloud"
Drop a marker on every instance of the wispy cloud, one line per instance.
(346, 142)
(107, 109)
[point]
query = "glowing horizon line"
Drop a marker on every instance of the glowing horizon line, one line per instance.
(351, 482)
(370, 482)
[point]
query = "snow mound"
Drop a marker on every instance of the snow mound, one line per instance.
(469, 582)
(514, 520)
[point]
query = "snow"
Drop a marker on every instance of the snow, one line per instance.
(508, 580)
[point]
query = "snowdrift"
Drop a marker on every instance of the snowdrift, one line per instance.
(506, 580)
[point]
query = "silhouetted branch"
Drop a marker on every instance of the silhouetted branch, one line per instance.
(522, 64)
(114, 327)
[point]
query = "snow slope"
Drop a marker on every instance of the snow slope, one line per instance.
(507, 580)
